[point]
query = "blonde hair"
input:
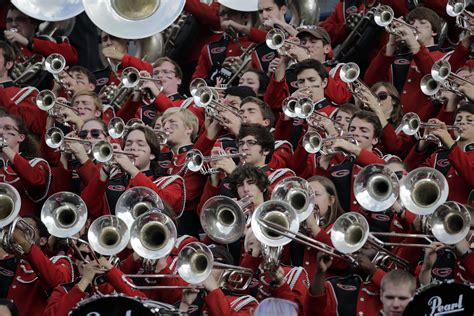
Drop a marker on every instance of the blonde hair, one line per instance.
(93, 95)
(190, 120)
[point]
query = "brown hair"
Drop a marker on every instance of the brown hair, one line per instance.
(238, 176)
(29, 147)
(422, 13)
(152, 141)
(397, 111)
(177, 69)
(265, 109)
(92, 94)
(335, 209)
(371, 118)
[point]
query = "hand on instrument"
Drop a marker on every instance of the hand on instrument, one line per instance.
(126, 164)
(346, 146)
(251, 244)
(431, 255)
(19, 237)
(324, 261)
(407, 36)
(188, 297)
(225, 164)
(112, 53)
(79, 151)
(468, 90)
(232, 122)
(272, 67)
(16, 38)
(229, 24)
(278, 276)
(365, 264)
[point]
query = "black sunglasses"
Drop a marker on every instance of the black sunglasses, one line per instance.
(95, 133)
(382, 96)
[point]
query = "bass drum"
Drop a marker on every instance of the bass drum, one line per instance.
(118, 305)
(442, 298)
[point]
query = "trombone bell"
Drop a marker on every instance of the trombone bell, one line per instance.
(10, 204)
(108, 235)
(349, 232)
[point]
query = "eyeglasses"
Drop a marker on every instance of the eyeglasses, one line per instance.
(382, 96)
(95, 133)
(9, 128)
(249, 143)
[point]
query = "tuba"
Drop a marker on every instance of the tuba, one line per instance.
(223, 219)
(135, 202)
(108, 235)
(376, 188)
(64, 214)
(153, 235)
(298, 193)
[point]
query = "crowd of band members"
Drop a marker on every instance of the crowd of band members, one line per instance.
(51, 278)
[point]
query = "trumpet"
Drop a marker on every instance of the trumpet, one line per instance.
(301, 107)
(376, 188)
(116, 127)
(135, 202)
(384, 17)
(102, 151)
(55, 139)
(223, 219)
(196, 161)
(131, 78)
(349, 73)
(10, 204)
(108, 235)
(54, 64)
(194, 265)
(29, 67)
(457, 9)
(207, 97)
(46, 100)
(298, 193)
(64, 214)
(276, 40)
(197, 83)
(313, 142)
(153, 235)
(441, 71)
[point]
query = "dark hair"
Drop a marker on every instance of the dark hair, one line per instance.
(397, 112)
(8, 51)
(280, 3)
(43, 231)
(29, 147)
(262, 80)
(335, 209)
(254, 173)
(312, 64)
(465, 107)
(221, 254)
(423, 13)
(98, 120)
(371, 118)
(348, 108)
(152, 141)
(261, 134)
(240, 91)
(177, 69)
(265, 109)
(10, 305)
(90, 76)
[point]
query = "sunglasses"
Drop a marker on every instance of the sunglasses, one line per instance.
(95, 133)
(382, 96)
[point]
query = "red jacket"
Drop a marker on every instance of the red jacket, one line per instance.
(46, 48)
(35, 279)
(216, 303)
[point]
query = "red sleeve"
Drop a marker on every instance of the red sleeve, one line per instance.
(209, 191)
(162, 102)
(414, 158)
(335, 25)
(130, 61)
(204, 64)
(396, 144)
(114, 277)
(204, 13)
(129, 110)
(219, 305)
(326, 303)
(282, 128)
(468, 263)
(281, 157)
(204, 144)
(37, 176)
(337, 91)
(423, 60)
(60, 302)
(250, 262)
(88, 171)
(93, 196)
(463, 162)
(46, 48)
(379, 69)
(367, 157)
(301, 163)
(257, 35)
(459, 57)
(130, 265)
(276, 92)
(296, 287)
(52, 274)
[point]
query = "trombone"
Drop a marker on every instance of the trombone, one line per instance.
(457, 9)
(196, 161)
(55, 139)
(108, 235)
(194, 265)
(102, 151)
(384, 17)
(135, 202)
(223, 219)
(313, 142)
(349, 73)
(298, 193)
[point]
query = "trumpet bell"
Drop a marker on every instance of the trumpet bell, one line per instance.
(64, 214)
(275, 39)
(376, 188)
(54, 63)
(102, 151)
(383, 16)
(304, 108)
(277, 212)
(349, 232)
(289, 107)
(153, 235)
(441, 70)
(429, 86)
(195, 84)
(45, 100)
(222, 219)
(50, 10)
(410, 124)
(423, 190)
(108, 235)
(450, 223)
(204, 96)
(194, 160)
(312, 142)
(135, 202)
(298, 193)
(349, 72)
(195, 262)
(116, 127)
(54, 137)
(133, 19)
(10, 204)
(455, 7)
(130, 77)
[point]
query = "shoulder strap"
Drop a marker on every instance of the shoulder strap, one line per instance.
(164, 181)
(278, 173)
(22, 94)
(186, 103)
(241, 301)
(279, 143)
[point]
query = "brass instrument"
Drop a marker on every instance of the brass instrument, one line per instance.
(376, 188)
(207, 97)
(196, 161)
(49, 10)
(135, 202)
(55, 139)
(197, 83)
(238, 64)
(349, 73)
(10, 204)
(116, 127)
(46, 100)
(441, 71)
(131, 78)
(457, 9)
(153, 235)
(223, 219)
(423, 190)
(194, 265)
(298, 193)
(385, 17)
(103, 151)
(108, 235)
(27, 67)
(276, 39)
(64, 214)
(301, 107)
(313, 142)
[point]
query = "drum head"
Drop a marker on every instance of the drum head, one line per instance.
(112, 306)
(442, 299)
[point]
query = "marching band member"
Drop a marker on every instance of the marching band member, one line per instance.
(256, 80)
